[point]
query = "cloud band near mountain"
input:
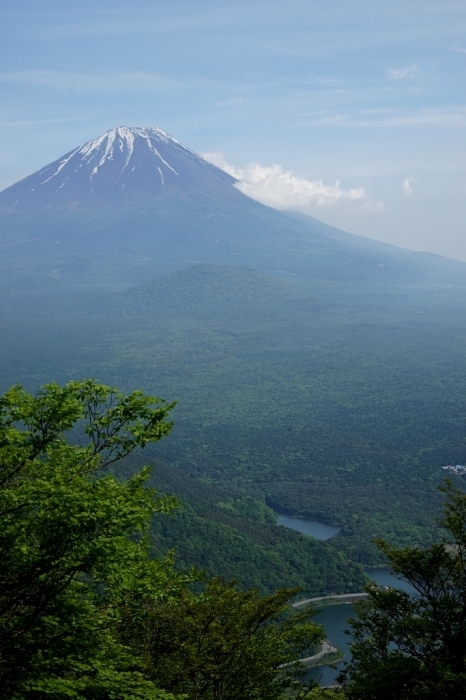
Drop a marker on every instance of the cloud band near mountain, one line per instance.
(282, 189)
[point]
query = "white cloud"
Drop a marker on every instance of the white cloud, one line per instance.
(442, 116)
(403, 73)
(281, 189)
(458, 48)
(232, 101)
(136, 81)
(44, 121)
(407, 189)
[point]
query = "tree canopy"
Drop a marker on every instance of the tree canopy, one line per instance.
(85, 613)
(72, 539)
(409, 646)
(225, 644)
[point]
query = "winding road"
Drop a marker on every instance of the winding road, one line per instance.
(326, 648)
(345, 597)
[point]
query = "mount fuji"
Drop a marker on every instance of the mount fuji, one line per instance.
(135, 203)
(122, 167)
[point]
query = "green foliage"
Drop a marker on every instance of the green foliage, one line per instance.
(231, 535)
(85, 614)
(249, 507)
(223, 644)
(325, 694)
(259, 555)
(341, 406)
(412, 646)
(73, 541)
(205, 287)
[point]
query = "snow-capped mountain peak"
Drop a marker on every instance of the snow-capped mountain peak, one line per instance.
(125, 163)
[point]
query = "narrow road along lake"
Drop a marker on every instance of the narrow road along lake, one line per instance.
(334, 617)
(335, 620)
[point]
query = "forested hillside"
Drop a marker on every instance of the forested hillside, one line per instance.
(204, 288)
(235, 536)
(342, 404)
(87, 612)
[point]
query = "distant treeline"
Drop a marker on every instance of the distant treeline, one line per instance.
(340, 404)
(237, 537)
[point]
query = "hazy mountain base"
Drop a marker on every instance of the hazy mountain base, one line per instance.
(111, 247)
(236, 537)
(341, 405)
(339, 400)
(205, 288)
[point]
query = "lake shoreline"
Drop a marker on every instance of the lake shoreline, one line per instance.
(331, 612)
(310, 528)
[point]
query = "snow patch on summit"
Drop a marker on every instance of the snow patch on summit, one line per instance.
(155, 152)
(122, 138)
(144, 163)
(60, 166)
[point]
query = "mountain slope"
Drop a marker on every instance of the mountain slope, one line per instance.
(121, 166)
(235, 537)
(135, 204)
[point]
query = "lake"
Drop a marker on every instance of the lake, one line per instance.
(321, 531)
(334, 617)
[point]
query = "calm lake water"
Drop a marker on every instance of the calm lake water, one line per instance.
(335, 617)
(320, 531)
(335, 620)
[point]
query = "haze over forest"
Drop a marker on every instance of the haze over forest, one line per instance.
(136, 259)
(257, 214)
(307, 362)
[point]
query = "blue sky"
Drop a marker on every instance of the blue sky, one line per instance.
(354, 112)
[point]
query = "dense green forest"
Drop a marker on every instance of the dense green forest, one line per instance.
(342, 403)
(411, 645)
(305, 370)
(85, 611)
(235, 536)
